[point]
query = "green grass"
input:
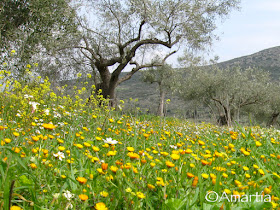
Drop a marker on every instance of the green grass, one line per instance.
(41, 180)
(65, 152)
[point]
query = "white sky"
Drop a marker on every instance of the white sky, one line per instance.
(254, 28)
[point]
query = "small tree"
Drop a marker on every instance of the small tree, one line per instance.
(164, 77)
(226, 90)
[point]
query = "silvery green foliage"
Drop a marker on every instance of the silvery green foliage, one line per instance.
(129, 34)
(227, 91)
(165, 77)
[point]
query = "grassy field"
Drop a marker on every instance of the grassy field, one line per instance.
(59, 152)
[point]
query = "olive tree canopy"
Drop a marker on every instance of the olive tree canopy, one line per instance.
(126, 34)
(226, 91)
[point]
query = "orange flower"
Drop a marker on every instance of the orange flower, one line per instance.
(119, 163)
(143, 161)
(48, 126)
(35, 138)
(33, 166)
(16, 149)
(127, 166)
(190, 175)
(141, 152)
(104, 166)
(83, 197)
(195, 181)
(204, 162)
(151, 187)
(135, 170)
(133, 155)
(214, 181)
(169, 164)
(81, 180)
(188, 151)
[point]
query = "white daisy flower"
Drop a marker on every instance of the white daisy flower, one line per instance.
(59, 155)
(110, 141)
(68, 195)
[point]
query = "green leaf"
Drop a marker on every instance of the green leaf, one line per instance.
(195, 197)
(7, 193)
(25, 181)
(175, 204)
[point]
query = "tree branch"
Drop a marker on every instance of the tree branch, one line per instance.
(168, 55)
(139, 67)
(119, 23)
(135, 39)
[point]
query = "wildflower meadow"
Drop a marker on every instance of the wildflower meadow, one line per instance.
(63, 152)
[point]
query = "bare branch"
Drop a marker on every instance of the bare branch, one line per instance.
(135, 39)
(135, 69)
(99, 34)
(112, 61)
(168, 55)
(81, 50)
(139, 67)
(155, 41)
(119, 23)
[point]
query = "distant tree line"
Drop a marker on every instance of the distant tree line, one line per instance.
(229, 93)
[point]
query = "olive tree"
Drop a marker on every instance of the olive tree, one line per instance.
(125, 34)
(165, 77)
(226, 91)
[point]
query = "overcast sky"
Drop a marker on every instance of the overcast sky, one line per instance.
(254, 28)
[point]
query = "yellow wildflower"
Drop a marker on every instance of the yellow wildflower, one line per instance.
(100, 206)
(83, 197)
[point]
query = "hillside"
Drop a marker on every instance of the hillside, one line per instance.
(268, 59)
(148, 95)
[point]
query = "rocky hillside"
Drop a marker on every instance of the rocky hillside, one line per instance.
(268, 59)
(148, 95)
